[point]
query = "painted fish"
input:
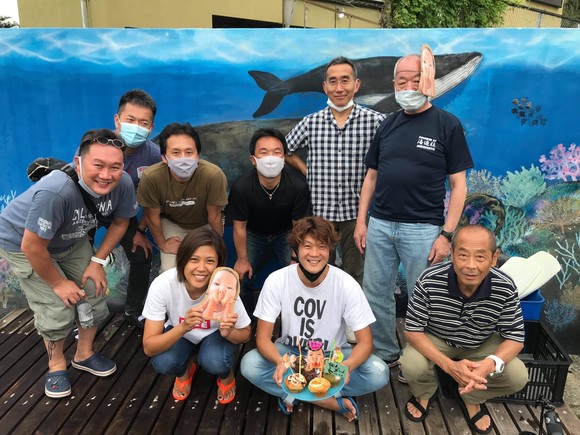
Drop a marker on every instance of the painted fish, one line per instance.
(376, 76)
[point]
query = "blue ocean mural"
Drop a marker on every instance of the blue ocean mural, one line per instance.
(516, 92)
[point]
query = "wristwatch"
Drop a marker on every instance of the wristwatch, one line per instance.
(446, 234)
(108, 260)
(499, 364)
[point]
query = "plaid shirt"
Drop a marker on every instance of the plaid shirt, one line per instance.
(335, 164)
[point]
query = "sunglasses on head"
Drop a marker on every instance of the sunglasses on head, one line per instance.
(117, 143)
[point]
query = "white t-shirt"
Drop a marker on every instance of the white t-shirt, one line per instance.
(320, 313)
(168, 299)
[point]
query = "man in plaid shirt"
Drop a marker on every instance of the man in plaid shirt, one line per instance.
(337, 138)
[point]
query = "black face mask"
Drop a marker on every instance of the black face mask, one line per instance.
(311, 276)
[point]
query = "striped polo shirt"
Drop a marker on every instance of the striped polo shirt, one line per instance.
(439, 308)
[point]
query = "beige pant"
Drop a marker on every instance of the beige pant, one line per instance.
(52, 319)
(170, 230)
(419, 372)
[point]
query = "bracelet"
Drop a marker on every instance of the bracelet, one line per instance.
(142, 231)
(100, 260)
(108, 260)
(448, 235)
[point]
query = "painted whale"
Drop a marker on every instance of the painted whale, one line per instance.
(376, 76)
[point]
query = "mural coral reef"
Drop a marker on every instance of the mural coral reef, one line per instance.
(528, 215)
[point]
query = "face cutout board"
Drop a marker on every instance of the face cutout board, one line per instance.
(222, 291)
(427, 80)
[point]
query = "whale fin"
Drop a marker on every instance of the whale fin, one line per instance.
(265, 80)
(274, 88)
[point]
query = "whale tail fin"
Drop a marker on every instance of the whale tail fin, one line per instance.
(274, 88)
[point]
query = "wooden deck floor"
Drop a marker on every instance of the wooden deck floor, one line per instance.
(136, 400)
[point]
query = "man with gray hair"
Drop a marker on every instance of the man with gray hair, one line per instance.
(415, 151)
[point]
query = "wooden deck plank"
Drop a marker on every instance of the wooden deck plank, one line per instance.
(136, 400)
(96, 409)
(502, 419)
(13, 320)
(322, 421)
(389, 422)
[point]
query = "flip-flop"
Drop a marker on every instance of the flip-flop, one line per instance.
(182, 384)
(343, 410)
(424, 411)
(223, 389)
(471, 421)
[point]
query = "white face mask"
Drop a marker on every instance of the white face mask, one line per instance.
(183, 167)
(269, 166)
(410, 101)
(340, 108)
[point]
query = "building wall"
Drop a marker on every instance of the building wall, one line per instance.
(191, 14)
(519, 17)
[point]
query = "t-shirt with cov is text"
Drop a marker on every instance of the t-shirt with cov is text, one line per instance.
(314, 314)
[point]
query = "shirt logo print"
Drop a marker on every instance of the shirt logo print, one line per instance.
(426, 143)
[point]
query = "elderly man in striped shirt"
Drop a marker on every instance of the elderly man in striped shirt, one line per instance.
(465, 317)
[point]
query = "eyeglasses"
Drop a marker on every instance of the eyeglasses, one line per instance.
(333, 83)
(117, 143)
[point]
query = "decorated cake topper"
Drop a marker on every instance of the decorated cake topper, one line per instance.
(221, 294)
(314, 345)
(427, 80)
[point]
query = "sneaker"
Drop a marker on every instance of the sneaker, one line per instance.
(57, 384)
(402, 378)
(96, 364)
(392, 362)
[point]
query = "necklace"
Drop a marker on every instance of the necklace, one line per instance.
(270, 195)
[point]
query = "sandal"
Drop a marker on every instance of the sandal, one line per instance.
(471, 421)
(343, 410)
(424, 411)
(181, 385)
(223, 389)
(57, 384)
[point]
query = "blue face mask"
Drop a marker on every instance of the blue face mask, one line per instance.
(134, 135)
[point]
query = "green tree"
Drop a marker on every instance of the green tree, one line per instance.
(572, 9)
(442, 13)
(6, 22)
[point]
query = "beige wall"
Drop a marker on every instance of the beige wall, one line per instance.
(517, 17)
(188, 14)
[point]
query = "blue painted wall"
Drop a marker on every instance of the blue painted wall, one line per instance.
(521, 102)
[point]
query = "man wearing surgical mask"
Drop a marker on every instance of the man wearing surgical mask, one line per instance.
(337, 138)
(182, 192)
(415, 151)
(263, 204)
(134, 123)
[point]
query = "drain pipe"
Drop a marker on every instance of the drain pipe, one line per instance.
(84, 14)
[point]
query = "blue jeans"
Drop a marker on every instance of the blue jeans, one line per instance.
(390, 244)
(370, 376)
(258, 246)
(215, 355)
